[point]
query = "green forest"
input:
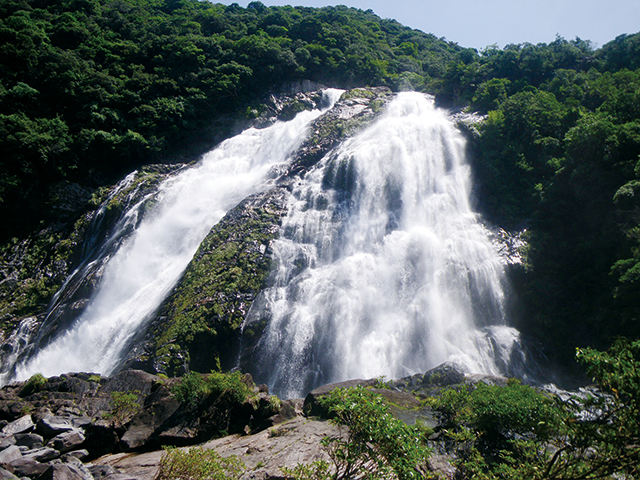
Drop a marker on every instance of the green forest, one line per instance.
(91, 89)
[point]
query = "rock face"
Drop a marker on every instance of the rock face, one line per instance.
(77, 417)
(70, 251)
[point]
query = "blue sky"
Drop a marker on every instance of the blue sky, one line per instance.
(480, 23)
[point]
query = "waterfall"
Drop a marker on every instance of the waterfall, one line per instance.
(149, 262)
(382, 266)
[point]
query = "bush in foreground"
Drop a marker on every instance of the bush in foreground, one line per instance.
(196, 463)
(373, 444)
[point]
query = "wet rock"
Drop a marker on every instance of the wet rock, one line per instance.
(219, 298)
(355, 110)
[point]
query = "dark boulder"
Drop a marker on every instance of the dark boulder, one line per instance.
(159, 406)
(133, 381)
(101, 438)
(66, 471)
(30, 440)
(27, 467)
(43, 454)
(444, 375)
(67, 441)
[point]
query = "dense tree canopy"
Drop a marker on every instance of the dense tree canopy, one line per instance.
(559, 154)
(91, 88)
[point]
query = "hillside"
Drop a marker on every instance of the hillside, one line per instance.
(92, 89)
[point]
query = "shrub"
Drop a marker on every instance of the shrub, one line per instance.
(196, 463)
(195, 386)
(191, 389)
(375, 445)
(517, 432)
(124, 405)
(35, 383)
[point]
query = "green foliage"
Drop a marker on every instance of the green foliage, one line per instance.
(560, 141)
(374, 445)
(124, 405)
(228, 269)
(499, 414)
(194, 387)
(108, 86)
(35, 383)
(197, 463)
(382, 383)
(318, 470)
(517, 432)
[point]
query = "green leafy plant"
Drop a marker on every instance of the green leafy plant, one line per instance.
(373, 444)
(382, 383)
(35, 383)
(197, 463)
(124, 405)
(518, 432)
(195, 386)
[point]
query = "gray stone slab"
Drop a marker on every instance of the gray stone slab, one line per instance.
(10, 454)
(23, 424)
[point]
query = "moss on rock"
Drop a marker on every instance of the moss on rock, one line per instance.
(200, 321)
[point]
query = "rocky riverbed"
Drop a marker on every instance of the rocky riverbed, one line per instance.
(76, 426)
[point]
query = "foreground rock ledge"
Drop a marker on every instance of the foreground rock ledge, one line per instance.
(69, 427)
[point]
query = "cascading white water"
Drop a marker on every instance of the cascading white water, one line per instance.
(149, 263)
(382, 266)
